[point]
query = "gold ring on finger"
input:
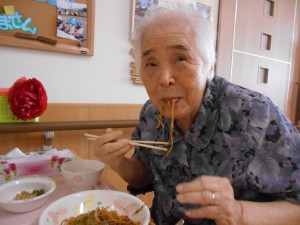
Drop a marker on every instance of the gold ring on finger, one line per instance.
(212, 201)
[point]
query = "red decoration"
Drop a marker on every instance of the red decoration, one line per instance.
(27, 98)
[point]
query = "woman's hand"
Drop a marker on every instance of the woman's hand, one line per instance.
(217, 196)
(110, 150)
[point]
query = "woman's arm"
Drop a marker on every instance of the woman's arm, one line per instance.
(270, 213)
(133, 172)
(216, 196)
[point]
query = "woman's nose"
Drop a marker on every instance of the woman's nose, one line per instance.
(167, 78)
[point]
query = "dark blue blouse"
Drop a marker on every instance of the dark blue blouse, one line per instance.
(237, 133)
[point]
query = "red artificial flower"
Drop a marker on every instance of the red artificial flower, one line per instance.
(27, 98)
(12, 166)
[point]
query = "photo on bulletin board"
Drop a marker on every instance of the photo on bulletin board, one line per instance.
(205, 10)
(71, 20)
(52, 25)
(139, 8)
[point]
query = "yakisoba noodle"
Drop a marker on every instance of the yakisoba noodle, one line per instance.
(159, 118)
(99, 216)
(160, 123)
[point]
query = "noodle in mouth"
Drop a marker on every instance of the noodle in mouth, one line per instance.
(160, 123)
(99, 216)
(159, 118)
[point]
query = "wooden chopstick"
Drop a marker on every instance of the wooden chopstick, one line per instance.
(92, 137)
(149, 146)
(151, 142)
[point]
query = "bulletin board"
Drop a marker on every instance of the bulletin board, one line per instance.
(34, 24)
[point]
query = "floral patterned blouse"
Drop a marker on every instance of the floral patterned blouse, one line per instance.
(238, 134)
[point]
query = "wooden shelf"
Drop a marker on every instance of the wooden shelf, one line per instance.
(70, 125)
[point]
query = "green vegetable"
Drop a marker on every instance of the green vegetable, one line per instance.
(138, 210)
(38, 192)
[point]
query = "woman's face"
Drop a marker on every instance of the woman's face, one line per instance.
(170, 68)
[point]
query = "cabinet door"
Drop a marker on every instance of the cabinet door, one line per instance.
(263, 75)
(256, 42)
(265, 28)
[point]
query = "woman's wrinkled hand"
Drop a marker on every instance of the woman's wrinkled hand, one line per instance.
(217, 197)
(110, 149)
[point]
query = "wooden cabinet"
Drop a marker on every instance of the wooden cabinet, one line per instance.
(256, 42)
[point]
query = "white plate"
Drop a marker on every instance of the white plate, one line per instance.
(9, 190)
(82, 202)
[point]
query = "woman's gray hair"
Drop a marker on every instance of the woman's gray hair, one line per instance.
(202, 27)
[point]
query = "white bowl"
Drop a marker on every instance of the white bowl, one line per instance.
(9, 190)
(82, 174)
(83, 202)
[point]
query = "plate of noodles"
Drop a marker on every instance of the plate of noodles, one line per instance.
(96, 207)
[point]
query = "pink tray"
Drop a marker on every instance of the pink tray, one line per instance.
(32, 218)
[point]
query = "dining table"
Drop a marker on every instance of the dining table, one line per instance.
(32, 217)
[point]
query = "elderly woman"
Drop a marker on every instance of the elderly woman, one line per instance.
(234, 157)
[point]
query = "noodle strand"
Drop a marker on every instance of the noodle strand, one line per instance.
(99, 217)
(172, 128)
(160, 123)
(159, 118)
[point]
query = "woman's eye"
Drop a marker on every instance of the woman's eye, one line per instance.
(150, 64)
(181, 58)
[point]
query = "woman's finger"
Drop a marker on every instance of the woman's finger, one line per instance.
(109, 130)
(109, 136)
(117, 146)
(204, 183)
(199, 197)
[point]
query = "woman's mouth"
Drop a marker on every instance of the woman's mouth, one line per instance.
(170, 100)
